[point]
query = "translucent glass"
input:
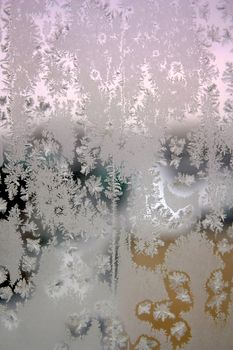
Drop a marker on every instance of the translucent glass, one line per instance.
(116, 193)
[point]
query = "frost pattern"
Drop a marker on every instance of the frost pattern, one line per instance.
(116, 187)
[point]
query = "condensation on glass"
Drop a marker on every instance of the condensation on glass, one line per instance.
(116, 193)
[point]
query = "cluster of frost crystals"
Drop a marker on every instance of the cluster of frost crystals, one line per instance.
(116, 174)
